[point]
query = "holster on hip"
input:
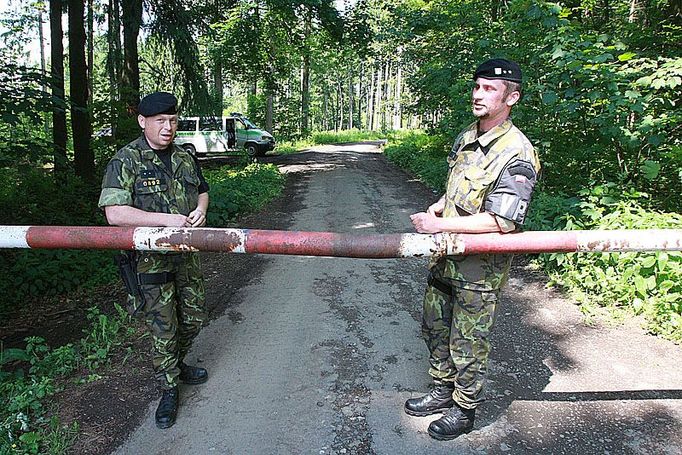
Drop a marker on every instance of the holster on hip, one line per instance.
(442, 286)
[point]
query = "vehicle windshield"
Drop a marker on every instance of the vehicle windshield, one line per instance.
(248, 123)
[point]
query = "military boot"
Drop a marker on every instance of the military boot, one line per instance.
(437, 400)
(168, 408)
(192, 375)
(455, 422)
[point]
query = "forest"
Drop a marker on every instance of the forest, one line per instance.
(601, 103)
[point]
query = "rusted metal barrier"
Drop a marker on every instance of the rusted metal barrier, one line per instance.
(370, 246)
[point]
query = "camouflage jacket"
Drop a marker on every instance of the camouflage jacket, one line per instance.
(496, 173)
(137, 177)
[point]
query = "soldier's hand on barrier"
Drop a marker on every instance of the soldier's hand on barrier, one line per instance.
(425, 223)
(197, 218)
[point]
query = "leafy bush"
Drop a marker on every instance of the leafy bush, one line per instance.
(24, 427)
(648, 283)
(423, 155)
(354, 135)
(238, 191)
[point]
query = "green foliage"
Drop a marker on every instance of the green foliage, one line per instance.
(649, 284)
(25, 428)
(423, 155)
(239, 191)
(27, 197)
(352, 135)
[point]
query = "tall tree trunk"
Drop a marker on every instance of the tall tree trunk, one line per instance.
(359, 95)
(91, 51)
(397, 111)
(114, 60)
(130, 83)
(351, 100)
(378, 98)
(59, 132)
(305, 72)
(370, 100)
(325, 106)
(305, 94)
(41, 38)
(84, 159)
(634, 11)
(269, 112)
(339, 112)
(386, 93)
(218, 85)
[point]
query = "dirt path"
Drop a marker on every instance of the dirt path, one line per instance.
(317, 355)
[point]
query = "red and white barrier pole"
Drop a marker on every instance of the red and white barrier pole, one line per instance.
(371, 246)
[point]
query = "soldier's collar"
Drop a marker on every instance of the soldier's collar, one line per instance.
(148, 153)
(495, 132)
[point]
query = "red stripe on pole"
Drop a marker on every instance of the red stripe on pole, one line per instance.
(523, 242)
(323, 244)
(90, 237)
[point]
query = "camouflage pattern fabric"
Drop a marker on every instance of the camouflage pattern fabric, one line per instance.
(174, 311)
(136, 176)
(475, 164)
(456, 326)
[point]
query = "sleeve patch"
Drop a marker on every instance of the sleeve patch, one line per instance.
(510, 197)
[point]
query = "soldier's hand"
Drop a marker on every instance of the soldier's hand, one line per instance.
(425, 223)
(436, 209)
(176, 220)
(196, 218)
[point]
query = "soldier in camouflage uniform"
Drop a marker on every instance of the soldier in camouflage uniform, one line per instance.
(153, 182)
(493, 169)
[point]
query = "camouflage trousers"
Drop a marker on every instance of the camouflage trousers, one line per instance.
(174, 312)
(456, 327)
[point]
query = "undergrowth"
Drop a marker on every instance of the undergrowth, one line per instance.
(30, 376)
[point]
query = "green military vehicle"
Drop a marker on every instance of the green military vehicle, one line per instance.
(204, 136)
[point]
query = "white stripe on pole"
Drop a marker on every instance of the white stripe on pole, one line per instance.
(428, 245)
(178, 239)
(14, 236)
(629, 240)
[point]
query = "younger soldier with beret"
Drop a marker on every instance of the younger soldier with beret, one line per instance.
(493, 169)
(153, 182)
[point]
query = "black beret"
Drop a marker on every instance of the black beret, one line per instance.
(158, 103)
(499, 68)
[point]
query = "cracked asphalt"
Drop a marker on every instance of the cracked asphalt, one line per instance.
(318, 355)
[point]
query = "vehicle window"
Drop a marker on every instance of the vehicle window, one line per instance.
(249, 123)
(240, 124)
(187, 125)
(209, 124)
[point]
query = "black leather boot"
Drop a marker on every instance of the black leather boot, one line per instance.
(192, 375)
(168, 408)
(438, 400)
(455, 422)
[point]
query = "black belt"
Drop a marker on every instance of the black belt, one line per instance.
(440, 285)
(155, 278)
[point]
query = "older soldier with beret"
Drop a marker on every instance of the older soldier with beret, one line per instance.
(153, 182)
(493, 169)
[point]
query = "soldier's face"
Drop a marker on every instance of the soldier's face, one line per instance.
(159, 129)
(488, 99)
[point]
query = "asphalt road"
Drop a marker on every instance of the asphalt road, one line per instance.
(318, 355)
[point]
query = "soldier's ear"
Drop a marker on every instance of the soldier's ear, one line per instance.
(140, 120)
(513, 98)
